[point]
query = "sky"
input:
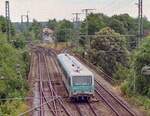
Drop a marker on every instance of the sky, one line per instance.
(42, 10)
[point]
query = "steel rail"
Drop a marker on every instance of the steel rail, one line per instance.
(42, 92)
(89, 104)
(60, 99)
(125, 106)
(78, 109)
(50, 87)
(40, 87)
(76, 104)
(116, 112)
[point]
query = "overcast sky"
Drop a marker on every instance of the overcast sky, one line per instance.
(43, 10)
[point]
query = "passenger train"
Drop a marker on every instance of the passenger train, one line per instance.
(78, 80)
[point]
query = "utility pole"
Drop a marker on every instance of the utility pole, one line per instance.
(87, 25)
(86, 15)
(7, 15)
(77, 20)
(140, 21)
(77, 27)
(27, 19)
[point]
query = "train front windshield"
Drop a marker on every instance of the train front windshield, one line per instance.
(82, 80)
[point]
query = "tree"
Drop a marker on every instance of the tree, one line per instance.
(95, 23)
(140, 59)
(129, 23)
(117, 25)
(36, 28)
(64, 30)
(52, 24)
(108, 51)
(2, 24)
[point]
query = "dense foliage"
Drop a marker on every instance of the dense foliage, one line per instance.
(135, 80)
(35, 30)
(108, 51)
(95, 23)
(13, 68)
(64, 30)
(52, 24)
(135, 84)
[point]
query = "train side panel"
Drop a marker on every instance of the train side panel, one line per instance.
(78, 83)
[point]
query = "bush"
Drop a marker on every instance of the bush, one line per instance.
(12, 108)
(12, 77)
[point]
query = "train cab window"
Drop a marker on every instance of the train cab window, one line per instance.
(82, 80)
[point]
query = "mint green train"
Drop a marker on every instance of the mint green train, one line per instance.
(79, 80)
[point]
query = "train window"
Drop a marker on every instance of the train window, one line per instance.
(82, 80)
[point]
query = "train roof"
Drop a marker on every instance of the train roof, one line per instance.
(73, 66)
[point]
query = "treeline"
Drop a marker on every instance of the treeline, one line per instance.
(13, 69)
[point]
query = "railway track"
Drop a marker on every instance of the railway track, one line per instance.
(91, 110)
(53, 101)
(50, 83)
(82, 112)
(43, 94)
(116, 104)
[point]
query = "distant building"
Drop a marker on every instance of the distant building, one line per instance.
(48, 35)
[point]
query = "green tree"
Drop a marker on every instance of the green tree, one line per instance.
(117, 25)
(108, 51)
(129, 23)
(2, 24)
(64, 30)
(36, 29)
(146, 24)
(95, 23)
(136, 81)
(140, 59)
(52, 24)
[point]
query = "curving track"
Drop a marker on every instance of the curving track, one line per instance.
(53, 95)
(54, 104)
